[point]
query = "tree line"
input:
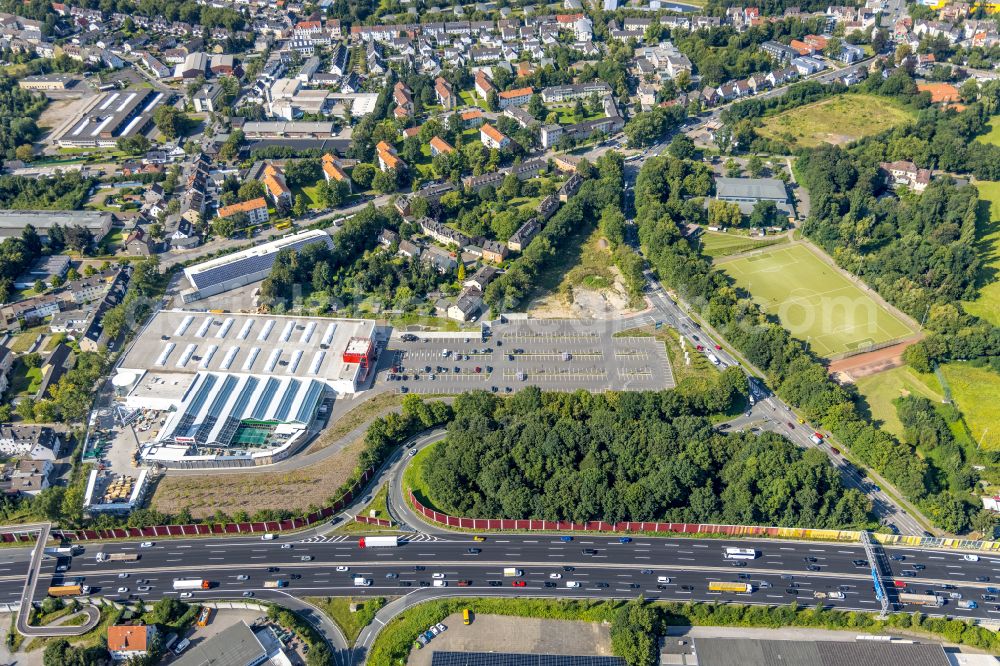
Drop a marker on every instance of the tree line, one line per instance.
(799, 378)
(651, 456)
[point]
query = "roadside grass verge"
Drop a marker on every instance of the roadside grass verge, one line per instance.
(338, 609)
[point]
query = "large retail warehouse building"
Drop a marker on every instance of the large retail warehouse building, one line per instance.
(240, 385)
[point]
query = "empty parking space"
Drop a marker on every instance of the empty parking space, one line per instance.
(552, 354)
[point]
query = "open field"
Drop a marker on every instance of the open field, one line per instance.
(714, 244)
(976, 392)
(836, 120)
(987, 305)
(993, 136)
(823, 307)
(881, 389)
(582, 282)
(308, 486)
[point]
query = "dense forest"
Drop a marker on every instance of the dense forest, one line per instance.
(63, 191)
(18, 110)
(628, 456)
(662, 208)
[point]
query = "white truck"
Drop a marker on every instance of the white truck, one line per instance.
(362, 582)
(117, 557)
(191, 584)
(713, 358)
(378, 541)
(511, 571)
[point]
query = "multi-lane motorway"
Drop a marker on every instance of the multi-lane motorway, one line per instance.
(781, 574)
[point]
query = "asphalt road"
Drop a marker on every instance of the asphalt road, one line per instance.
(629, 568)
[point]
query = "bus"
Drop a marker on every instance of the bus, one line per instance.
(466, 617)
(920, 599)
(740, 554)
(740, 588)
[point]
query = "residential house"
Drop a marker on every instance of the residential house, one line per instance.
(483, 85)
(130, 641)
(491, 137)
(443, 234)
(482, 278)
(333, 171)
(254, 211)
(387, 157)
(472, 118)
(906, 173)
(518, 96)
(440, 147)
(445, 95)
(6, 362)
(207, 98)
(277, 188)
(20, 440)
(467, 305)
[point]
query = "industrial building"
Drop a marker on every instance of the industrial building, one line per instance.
(242, 268)
(240, 387)
(111, 116)
(13, 222)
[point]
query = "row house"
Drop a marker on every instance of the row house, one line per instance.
(443, 234)
(334, 171)
(255, 211)
(518, 96)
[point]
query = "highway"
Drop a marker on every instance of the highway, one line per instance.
(613, 569)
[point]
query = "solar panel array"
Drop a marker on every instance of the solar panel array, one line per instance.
(240, 268)
(512, 659)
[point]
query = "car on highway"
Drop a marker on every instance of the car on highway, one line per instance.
(555, 576)
(146, 544)
(813, 567)
(792, 591)
(919, 567)
(517, 583)
(982, 579)
(122, 590)
(286, 546)
(791, 425)
(473, 551)
(437, 576)
(306, 558)
(343, 568)
(413, 452)
(860, 563)
(494, 583)
(908, 574)
(419, 567)
(404, 583)
(809, 559)
(123, 575)
(479, 538)
(566, 539)
(687, 588)
(898, 558)
(835, 450)
(970, 558)
(243, 577)
(548, 583)
(392, 575)
(625, 540)
(645, 572)
(464, 583)
(737, 563)
(248, 593)
(588, 551)
(602, 585)
(572, 584)
(144, 588)
(272, 569)
(899, 583)
(718, 346)
(569, 568)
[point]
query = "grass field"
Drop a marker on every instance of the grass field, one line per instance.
(993, 136)
(882, 388)
(815, 302)
(976, 391)
(339, 610)
(987, 305)
(715, 244)
(836, 120)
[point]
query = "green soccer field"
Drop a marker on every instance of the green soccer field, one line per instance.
(814, 301)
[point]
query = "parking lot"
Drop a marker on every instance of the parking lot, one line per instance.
(555, 355)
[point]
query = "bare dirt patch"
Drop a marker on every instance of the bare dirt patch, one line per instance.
(294, 490)
(61, 110)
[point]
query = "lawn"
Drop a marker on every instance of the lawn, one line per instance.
(25, 380)
(413, 476)
(880, 389)
(836, 120)
(378, 505)
(993, 136)
(976, 392)
(311, 194)
(22, 341)
(987, 304)
(339, 610)
(814, 301)
(714, 244)
(471, 99)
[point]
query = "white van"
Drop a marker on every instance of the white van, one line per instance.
(440, 583)
(180, 647)
(362, 582)
(572, 583)
(269, 537)
(970, 558)
(662, 579)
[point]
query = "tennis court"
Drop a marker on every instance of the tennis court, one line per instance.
(814, 301)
